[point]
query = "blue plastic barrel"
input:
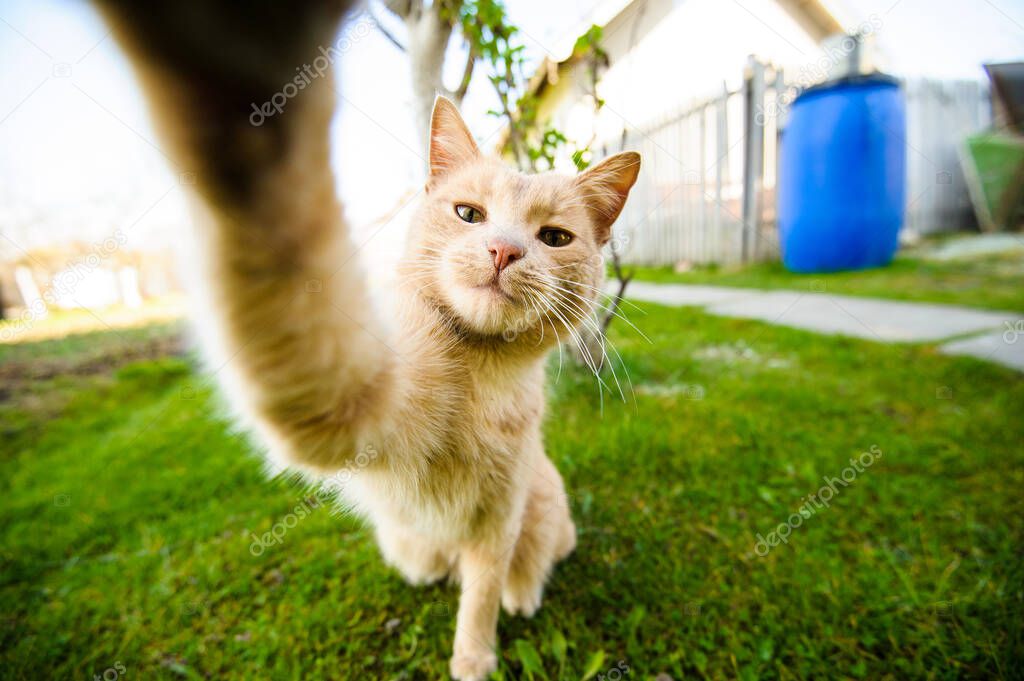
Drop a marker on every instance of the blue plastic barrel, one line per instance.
(842, 175)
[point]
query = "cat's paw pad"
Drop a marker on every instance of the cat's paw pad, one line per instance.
(423, 577)
(419, 571)
(522, 601)
(473, 666)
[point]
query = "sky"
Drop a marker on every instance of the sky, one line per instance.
(79, 158)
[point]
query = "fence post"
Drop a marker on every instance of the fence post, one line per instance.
(753, 157)
(702, 137)
(721, 164)
(781, 109)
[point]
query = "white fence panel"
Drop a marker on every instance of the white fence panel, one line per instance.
(939, 116)
(690, 201)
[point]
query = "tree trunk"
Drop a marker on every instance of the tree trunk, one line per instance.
(427, 43)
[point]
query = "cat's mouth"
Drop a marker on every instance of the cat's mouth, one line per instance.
(494, 288)
(486, 301)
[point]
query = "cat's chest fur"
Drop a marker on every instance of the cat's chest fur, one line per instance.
(458, 451)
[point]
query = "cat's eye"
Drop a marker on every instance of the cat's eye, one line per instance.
(555, 237)
(469, 213)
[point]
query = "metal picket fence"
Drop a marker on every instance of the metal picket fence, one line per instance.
(706, 194)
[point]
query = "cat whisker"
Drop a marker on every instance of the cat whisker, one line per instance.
(607, 309)
(588, 322)
(584, 351)
(538, 307)
(599, 291)
(579, 343)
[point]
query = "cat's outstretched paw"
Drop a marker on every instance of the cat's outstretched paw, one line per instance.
(475, 666)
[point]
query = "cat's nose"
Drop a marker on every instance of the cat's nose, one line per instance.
(504, 252)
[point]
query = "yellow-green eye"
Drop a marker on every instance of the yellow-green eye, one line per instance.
(555, 237)
(468, 213)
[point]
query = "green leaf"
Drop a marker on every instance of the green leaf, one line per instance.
(530, 658)
(636, 616)
(594, 665)
(558, 646)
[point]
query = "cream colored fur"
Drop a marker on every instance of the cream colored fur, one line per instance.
(449, 395)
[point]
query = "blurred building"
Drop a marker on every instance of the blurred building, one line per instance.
(701, 89)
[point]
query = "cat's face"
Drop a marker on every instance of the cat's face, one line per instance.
(505, 252)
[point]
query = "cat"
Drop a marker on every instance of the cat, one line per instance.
(446, 391)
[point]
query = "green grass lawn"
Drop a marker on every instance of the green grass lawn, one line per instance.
(129, 506)
(994, 282)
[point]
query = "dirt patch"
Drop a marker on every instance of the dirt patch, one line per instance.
(84, 356)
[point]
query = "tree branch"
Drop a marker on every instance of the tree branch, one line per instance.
(624, 280)
(402, 9)
(467, 76)
(385, 32)
(513, 128)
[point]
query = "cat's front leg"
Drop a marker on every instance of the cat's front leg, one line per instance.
(289, 323)
(483, 569)
(548, 535)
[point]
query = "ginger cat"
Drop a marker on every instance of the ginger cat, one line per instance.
(449, 395)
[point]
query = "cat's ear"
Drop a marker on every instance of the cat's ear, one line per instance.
(604, 189)
(451, 144)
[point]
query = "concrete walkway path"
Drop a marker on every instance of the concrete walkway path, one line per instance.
(992, 335)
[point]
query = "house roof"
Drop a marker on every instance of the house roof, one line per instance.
(812, 15)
